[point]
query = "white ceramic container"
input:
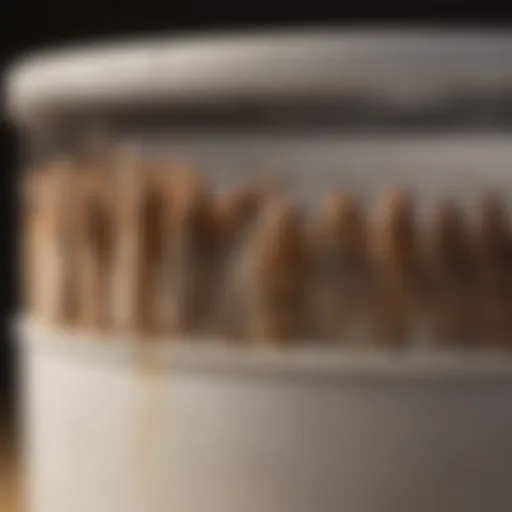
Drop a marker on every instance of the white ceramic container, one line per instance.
(115, 425)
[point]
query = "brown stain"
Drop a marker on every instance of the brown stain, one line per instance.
(95, 224)
(494, 240)
(192, 253)
(396, 260)
(30, 213)
(235, 216)
(157, 232)
(342, 288)
(49, 195)
(66, 194)
(454, 296)
(234, 211)
(143, 213)
(195, 240)
(279, 267)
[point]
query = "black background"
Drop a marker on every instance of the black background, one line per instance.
(28, 26)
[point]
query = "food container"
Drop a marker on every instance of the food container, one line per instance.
(119, 423)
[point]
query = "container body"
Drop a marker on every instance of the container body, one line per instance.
(108, 430)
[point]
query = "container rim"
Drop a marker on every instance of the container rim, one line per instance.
(210, 357)
(400, 66)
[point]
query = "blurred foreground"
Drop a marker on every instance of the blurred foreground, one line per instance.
(10, 492)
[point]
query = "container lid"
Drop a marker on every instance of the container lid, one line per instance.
(396, 67)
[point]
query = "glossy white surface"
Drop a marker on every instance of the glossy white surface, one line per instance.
(113, 427)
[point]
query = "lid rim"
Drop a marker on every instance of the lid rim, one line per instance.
(415, 66)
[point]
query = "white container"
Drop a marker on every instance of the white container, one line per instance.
(113, 425)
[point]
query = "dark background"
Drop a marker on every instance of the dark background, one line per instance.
(28, 26)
